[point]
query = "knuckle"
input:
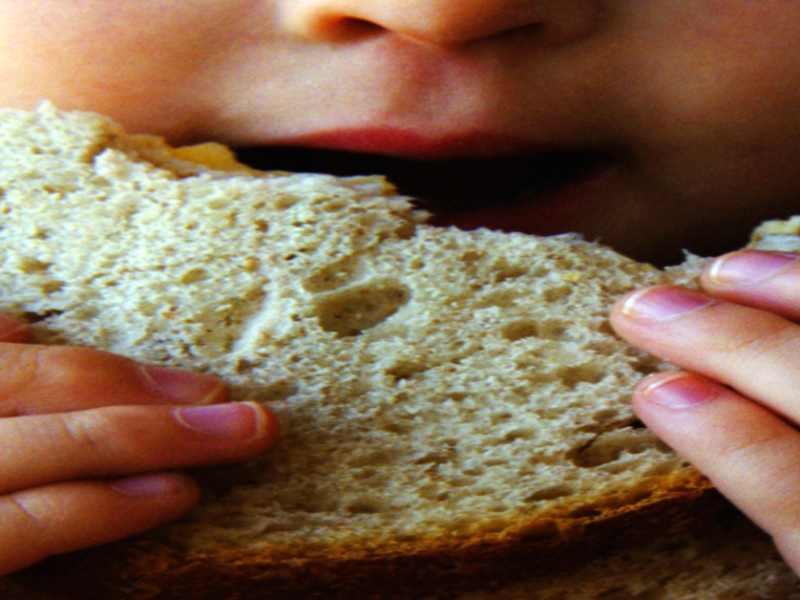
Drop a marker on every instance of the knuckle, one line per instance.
(33, 376)
(87, 432)
(122, 435)
(29, 366)
(69, 365)
(30, 511)
(108, 431)
(30, 520)
(21, 367)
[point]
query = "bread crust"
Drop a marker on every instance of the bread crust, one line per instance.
(145, 570)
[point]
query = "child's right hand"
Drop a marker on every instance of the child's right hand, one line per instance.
(734, 409)
(88, 441)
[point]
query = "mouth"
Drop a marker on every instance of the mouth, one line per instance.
(529, 193)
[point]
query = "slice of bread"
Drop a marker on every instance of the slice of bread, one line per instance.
(455, 404)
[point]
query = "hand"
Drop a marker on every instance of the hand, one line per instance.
(734, 412)
(88, 441)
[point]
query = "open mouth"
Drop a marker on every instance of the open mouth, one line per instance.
(456, 191)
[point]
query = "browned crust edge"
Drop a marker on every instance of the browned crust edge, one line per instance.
(142, 571)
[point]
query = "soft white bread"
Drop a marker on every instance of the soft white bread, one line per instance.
(455, 403)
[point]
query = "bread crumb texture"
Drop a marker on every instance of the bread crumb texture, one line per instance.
(440, 390)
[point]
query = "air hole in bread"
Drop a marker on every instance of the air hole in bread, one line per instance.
(458, 482)
(372, 478)
(586, 512)
(501, 417)
(519, 330)
(471, 256)
(527, 328)
(351, 311)
(398, 428)
(51, 286)
(436, 457)
(364, 506)
(517, 434)
(433, 493)
(30, 265)
(502, 299)
(554, 294)
(646, 365)
(605, 415)
(551, 493)
(405, 370)
(505, 272)
(286, 201)
(194, 276)
(332, 276)
(34, 317)
(585, 373)
(473, 472)
(221, 203)
(374, 459)
(609, 447)
(335, 205)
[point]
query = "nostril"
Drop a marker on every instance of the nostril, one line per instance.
(440, 23)
(352, 28)
(345, 29)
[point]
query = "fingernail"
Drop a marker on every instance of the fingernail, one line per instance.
(185, 387)
(156, 485)
(663, 303)
(681, 390)
(748, 266)
(238, 420)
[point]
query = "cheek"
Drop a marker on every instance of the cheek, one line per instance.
(713, 99)
(134, 61)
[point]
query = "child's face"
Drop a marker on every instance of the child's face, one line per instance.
(691, 106)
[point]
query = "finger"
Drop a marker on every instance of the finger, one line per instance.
(751, 455)
(14, 330)
(106, 442)
(38, 379)
(64, 517)
(754, 351)
(767, 280)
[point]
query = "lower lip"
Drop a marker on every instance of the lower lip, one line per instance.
(555, 212)
(409, 144)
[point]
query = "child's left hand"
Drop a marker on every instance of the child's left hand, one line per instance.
(735, 411)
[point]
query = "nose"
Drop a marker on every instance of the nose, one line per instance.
(440, 22)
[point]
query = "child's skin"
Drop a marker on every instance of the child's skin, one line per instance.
(694, 103)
